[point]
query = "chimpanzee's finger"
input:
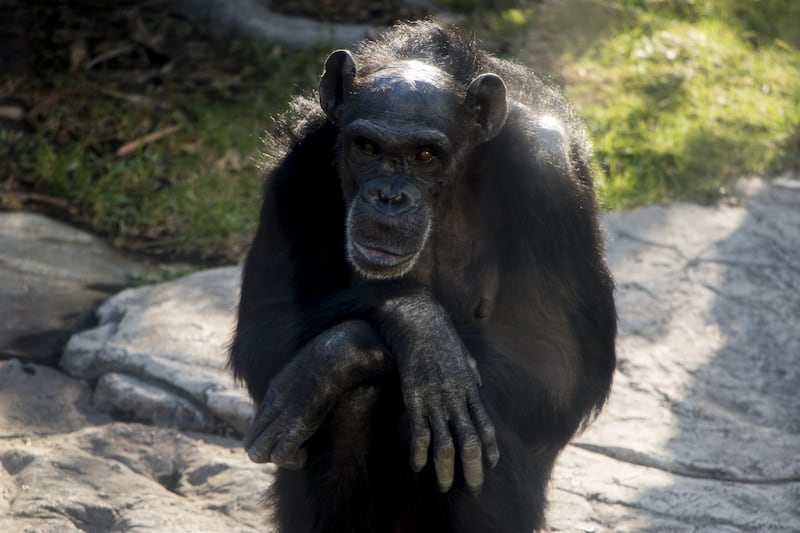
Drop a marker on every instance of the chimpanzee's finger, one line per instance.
(290, 459)
(444, 452)
(287, 451)
(259, 448)
(420, 436)
(469, 448)
(485, 429)
(265, 415)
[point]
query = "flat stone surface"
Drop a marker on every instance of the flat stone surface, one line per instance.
(129, 477)
(51, 278)
(702, 431)
(38, 400)
(65, 466)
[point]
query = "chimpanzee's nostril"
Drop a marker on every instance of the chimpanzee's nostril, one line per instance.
(393, 199)
(391, 196)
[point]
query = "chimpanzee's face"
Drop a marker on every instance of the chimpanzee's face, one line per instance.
(405, 132)
(399, 142)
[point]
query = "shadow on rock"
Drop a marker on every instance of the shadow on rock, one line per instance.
(703, 428)
(51, 278)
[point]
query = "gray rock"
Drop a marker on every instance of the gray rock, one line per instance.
(65, 467)
(37, 400)
(166, 346)
(51, 277)
(593, 492)
(129, 397)
(703, 427)
(253, 19)
(702, 431)
(129, 477)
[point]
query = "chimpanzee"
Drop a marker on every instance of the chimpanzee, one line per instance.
(426, 316)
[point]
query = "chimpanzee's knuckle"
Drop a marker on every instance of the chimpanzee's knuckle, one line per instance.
(257, 456)
(279, 457)
(445, 451)
(471, 452)
(259, 452)
(288, 458)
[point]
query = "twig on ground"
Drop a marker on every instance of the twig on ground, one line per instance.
(132, 98)
(135, 144)
(111, 54)
(20, 199)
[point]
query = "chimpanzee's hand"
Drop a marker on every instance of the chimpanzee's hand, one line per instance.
(439, 379)
(297, 401)
(304, 392)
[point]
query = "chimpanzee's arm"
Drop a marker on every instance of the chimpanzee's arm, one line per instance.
(438, 377)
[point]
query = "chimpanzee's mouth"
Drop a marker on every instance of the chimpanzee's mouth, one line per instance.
(380, 256)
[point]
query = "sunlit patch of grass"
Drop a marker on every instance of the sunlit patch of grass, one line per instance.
(678, 109)
(509, 22)
(679, 97)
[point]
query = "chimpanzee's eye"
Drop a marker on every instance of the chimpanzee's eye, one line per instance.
(424, 155)
(366, 146)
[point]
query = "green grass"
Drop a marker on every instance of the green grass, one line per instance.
(192, 194)
(681, 106)
(680, 98)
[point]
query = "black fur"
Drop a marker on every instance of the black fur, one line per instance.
(351, 363)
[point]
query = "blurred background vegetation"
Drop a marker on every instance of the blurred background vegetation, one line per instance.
(147, 128)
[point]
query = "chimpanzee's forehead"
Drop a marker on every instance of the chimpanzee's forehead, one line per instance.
(411, 75)
(408, 91)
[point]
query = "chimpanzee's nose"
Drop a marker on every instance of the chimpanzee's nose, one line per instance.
(391, 197)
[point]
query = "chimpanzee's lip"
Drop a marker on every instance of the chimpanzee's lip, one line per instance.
(381, 256)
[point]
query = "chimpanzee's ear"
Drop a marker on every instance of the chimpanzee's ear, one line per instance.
(336, 82)
(486, 98)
